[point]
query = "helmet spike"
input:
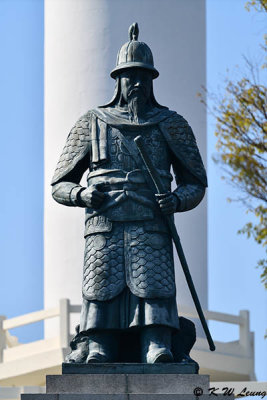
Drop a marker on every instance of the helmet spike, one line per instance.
(134, 31)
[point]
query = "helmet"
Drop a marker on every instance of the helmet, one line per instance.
(134, 54)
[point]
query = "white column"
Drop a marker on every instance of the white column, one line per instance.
(82, 38)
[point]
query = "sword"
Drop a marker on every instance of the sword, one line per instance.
(160, 189)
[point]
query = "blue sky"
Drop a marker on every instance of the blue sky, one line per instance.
(233, 281)
(21, 161)
(234, 284)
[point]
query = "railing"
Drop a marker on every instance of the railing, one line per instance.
(242, 320)
(65, 309)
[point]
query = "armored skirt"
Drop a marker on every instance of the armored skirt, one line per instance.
(128, 278)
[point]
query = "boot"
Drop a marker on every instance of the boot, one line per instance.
(79, 348)
(156, 344)
(103, 347)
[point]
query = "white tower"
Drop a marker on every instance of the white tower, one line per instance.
(82, 38)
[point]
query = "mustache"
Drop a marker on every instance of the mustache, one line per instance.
(136, 90)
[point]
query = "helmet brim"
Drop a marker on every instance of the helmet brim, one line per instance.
(133, 64)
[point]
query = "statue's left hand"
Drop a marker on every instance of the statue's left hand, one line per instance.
(168, 202)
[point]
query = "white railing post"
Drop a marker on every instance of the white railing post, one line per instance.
(64, 318)
(252, 355)
(2, 337)
(244, 335)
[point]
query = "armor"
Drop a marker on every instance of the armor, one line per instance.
(128, 255)
(81, 143)
(127, 242)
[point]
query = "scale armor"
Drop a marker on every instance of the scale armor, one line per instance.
(128, 255)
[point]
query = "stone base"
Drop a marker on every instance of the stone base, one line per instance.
(120, 397)
(125, 382)
(130, 368)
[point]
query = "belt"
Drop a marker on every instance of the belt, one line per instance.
(125, 186)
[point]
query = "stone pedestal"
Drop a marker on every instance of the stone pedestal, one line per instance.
(125, 382)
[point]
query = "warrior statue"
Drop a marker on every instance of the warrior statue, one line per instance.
(128, 275)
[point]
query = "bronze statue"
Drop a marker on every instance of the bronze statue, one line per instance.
(128, 282)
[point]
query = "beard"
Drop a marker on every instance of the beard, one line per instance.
(136, 107)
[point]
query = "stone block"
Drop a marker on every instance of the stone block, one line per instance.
(126, 383)
(120, 397)
(167, 384)
(129, 368)
(39, 396)
(93, 384)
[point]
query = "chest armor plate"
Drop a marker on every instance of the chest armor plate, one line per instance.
(128, 197)
(119, 156)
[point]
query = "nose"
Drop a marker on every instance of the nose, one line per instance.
(137, 84)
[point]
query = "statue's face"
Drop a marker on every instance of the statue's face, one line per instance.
(136, 82)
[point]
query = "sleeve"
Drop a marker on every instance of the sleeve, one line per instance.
(73, 162)
(67, 191)
(189, 191)
(189, 171)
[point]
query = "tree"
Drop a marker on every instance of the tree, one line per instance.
(259, 5)
(241, 129)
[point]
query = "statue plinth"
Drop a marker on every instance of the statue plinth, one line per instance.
(130, 368)
(175, 381)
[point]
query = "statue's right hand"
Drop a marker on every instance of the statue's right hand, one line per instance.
(91, 197)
